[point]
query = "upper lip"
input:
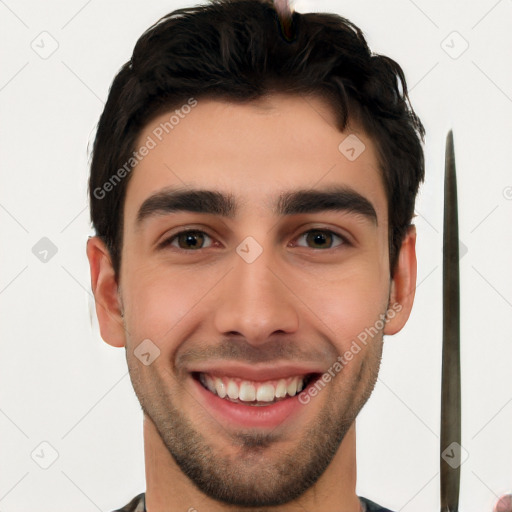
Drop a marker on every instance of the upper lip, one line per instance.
(257, 372)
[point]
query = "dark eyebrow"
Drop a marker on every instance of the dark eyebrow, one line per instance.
(334, 198)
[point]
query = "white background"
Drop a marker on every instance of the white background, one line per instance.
(61, 384)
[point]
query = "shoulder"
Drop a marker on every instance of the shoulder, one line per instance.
(138, 504)
(371, 506)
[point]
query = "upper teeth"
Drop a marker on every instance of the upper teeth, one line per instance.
(248, 391)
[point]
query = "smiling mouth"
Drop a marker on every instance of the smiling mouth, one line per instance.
(255, 393)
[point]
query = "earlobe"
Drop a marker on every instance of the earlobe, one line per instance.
(105, 289)
(403, 285)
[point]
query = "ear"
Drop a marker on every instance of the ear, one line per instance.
(403, 284)
(105, 289)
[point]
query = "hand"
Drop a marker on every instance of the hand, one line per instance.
(504, 504)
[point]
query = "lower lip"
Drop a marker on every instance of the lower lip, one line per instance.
(268, 416)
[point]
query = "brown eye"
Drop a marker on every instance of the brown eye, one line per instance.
(321, 239)
(188, 240)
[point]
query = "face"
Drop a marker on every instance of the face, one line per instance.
(267, 281)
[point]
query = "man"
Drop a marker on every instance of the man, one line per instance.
(252, 187)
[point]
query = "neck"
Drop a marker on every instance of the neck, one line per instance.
(169, 490)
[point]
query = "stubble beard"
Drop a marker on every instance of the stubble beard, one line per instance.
(255, 477)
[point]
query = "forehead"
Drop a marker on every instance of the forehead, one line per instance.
(254, 152)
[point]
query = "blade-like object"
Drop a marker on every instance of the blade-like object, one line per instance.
(450, 387)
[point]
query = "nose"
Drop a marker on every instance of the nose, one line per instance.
(257, 300)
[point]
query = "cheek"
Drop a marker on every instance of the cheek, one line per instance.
(154, 304)
(350, 305)
(161, 303)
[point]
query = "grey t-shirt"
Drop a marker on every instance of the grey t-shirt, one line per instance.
(138, 504)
